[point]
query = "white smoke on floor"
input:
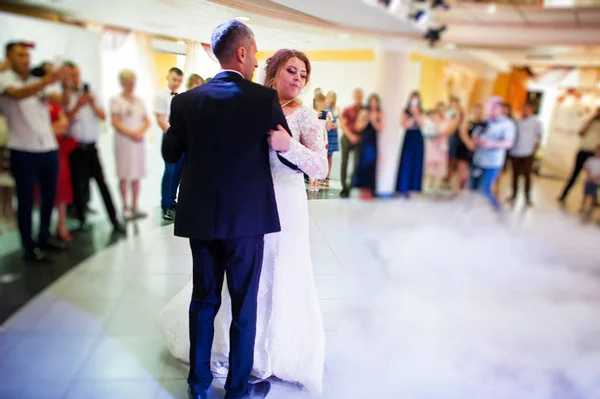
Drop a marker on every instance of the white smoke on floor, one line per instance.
(466, 306)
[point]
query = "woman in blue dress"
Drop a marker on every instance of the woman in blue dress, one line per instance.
(333, 143)
(369, 123)
(410, 172)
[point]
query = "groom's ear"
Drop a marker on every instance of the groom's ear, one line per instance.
(241, 54)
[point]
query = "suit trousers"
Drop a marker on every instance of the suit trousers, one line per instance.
(29, 168)
(85, 165)
(521, 166)
(241, 260)
(347, 149)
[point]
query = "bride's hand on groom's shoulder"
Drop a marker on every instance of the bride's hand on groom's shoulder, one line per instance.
(279, 139)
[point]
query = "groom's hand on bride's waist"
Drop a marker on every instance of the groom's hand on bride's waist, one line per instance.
(279, 139)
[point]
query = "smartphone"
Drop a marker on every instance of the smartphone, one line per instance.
(323, 115)
(86, 88)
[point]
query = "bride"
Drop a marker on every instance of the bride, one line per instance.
(290, 338)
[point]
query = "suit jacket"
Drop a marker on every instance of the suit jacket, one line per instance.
(226, 190)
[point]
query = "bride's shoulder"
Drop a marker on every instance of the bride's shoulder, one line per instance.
(305, 112)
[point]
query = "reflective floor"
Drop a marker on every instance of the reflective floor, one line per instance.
(423, 299)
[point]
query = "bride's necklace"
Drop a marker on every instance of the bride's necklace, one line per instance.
(289, 102)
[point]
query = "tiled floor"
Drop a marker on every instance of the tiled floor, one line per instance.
(421, 300)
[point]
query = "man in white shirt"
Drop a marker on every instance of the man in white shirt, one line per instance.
(84, 113)
(590, 140)
(529, 136)
(172, 173)
(32, 143)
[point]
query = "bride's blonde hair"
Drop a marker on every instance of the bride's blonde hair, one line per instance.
(278, 60)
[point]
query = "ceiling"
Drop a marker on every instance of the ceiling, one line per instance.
(514, 32)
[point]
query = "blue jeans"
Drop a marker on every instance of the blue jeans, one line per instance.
(29, 168)
(483, 179)
(170, 183)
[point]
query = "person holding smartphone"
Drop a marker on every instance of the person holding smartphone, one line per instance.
(85, 113)
(32, 143)
(326, 119)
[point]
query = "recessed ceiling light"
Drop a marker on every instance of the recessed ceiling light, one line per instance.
(344, 36)
(491, 8)
(243, 18)
(450, 46)
(180, 42)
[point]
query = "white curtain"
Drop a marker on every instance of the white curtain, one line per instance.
(191, 58)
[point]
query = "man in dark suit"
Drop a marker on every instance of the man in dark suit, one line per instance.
(226, 201)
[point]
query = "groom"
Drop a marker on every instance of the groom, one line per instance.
(226, 201)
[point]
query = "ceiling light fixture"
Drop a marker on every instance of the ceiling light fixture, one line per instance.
(344, 36)
(243, 18)
(450, 46)
(180, 42)
(491, 8)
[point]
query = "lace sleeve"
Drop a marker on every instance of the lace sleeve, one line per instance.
(309, 153)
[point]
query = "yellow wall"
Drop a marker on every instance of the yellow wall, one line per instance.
(164, 62)
(432, 85)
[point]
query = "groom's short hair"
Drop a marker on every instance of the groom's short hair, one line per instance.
(228, 37)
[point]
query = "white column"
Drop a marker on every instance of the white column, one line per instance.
(392, 73)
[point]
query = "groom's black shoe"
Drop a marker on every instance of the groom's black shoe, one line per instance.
(194, 393)
(259, 390)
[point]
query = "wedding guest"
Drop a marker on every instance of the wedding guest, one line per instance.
(333, 143)
(410, 171)
(455, 111)
(172, 171)
(326, 121)
(194, 81)
(466, 147)
(523, 152)
(64, 188)
(437, 128)
(589, 141)
(85, 113)
(490, 155)
(369, 123)
(131, 122)
(350, 139)
(592, 183)
(7, 183)
(32, 143)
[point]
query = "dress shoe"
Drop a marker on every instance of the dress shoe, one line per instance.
(83, 227)
(168, 215)
(259, 390)
(51, 244)
(36, 256)
(90, 211)
(194, 393)
(118, 228)
(345, 194)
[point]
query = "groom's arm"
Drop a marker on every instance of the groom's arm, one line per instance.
(173, 145)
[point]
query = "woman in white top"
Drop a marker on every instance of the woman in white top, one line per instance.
(131, 122)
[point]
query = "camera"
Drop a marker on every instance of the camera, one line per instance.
(39, 71)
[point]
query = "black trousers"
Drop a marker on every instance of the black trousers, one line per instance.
(582, 156)
(347, 149)
(522, 166)
(85, 165)
(29, 168)
(241, 260)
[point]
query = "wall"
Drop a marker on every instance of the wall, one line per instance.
(432, 78)
(164, 62)
(482, 91)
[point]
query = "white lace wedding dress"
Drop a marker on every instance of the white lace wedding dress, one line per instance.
(290, 339)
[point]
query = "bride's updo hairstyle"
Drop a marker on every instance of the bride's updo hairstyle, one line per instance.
(278, 61)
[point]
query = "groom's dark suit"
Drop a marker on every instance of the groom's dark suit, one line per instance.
(226, 206)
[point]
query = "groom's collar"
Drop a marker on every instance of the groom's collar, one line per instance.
(230, 72)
